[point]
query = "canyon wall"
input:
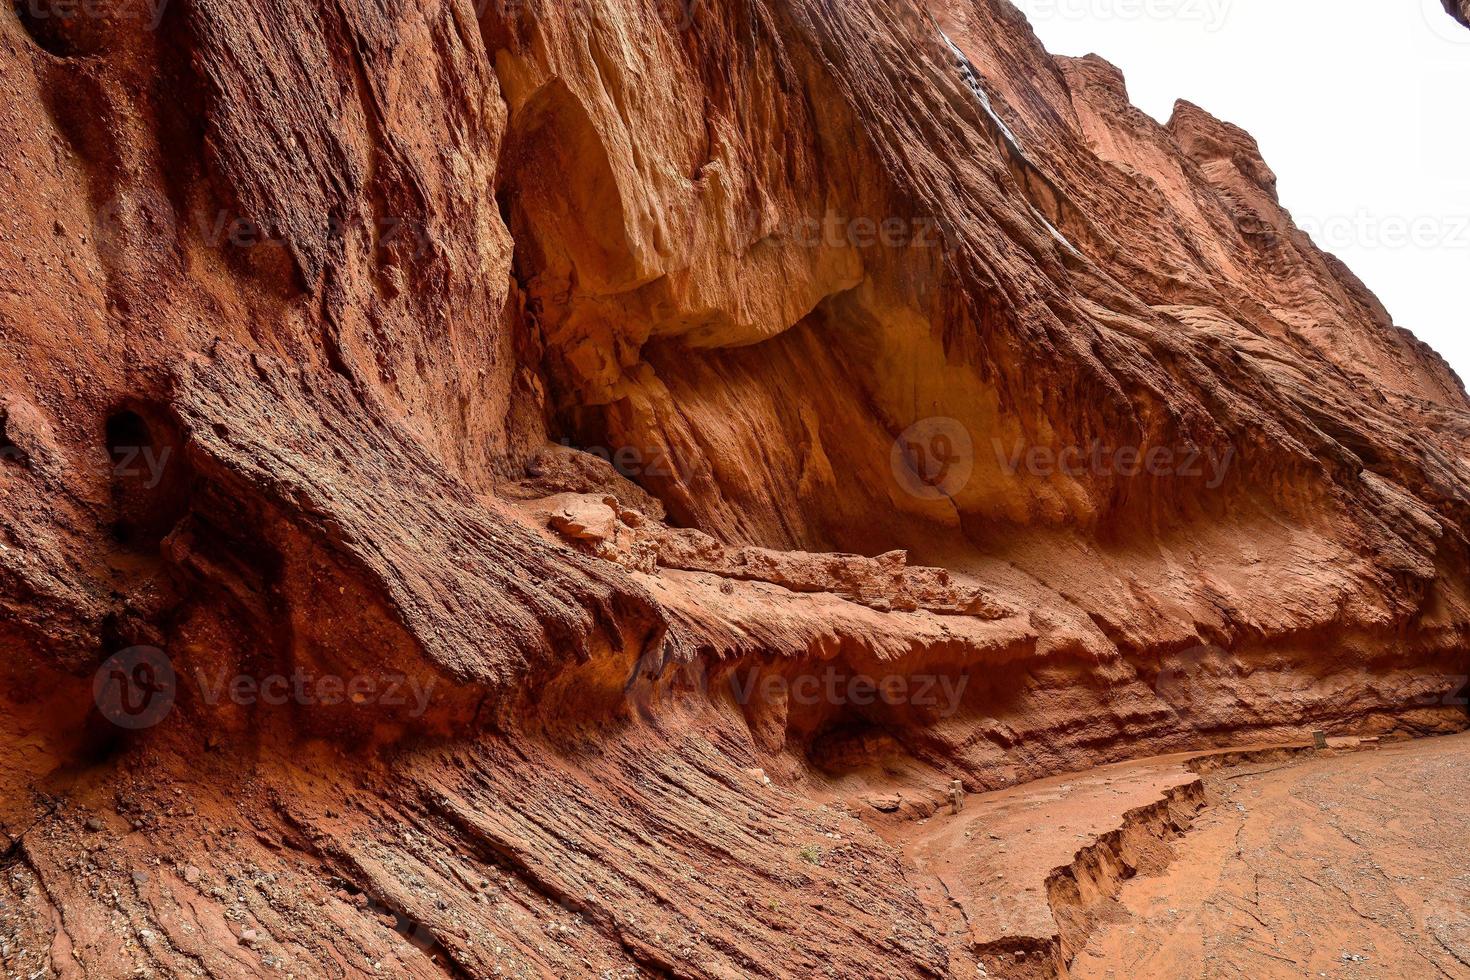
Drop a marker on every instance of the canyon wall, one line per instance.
(598, 378)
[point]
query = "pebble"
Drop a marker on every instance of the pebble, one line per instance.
(191, 875)
(95, 824)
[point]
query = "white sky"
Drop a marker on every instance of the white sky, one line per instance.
(1362, 107)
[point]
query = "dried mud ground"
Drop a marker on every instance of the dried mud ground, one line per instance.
(1356, 865)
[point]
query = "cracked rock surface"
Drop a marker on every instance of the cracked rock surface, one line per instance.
(1306, 869)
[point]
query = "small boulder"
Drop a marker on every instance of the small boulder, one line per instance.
(584, 518)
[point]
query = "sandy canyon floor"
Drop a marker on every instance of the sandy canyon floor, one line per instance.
(1267, 862)
(1353, 866)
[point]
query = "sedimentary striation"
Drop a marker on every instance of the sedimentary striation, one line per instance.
(638, 436)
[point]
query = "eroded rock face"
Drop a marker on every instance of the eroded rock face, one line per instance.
(515, 424)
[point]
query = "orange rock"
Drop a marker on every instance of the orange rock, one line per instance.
(548, 413)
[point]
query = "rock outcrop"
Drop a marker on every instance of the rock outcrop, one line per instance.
(446, 449)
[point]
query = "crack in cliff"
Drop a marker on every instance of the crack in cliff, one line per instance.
(1011, 145)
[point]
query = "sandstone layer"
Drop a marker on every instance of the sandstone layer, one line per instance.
(549, 394)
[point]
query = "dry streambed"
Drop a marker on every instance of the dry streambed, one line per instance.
(1261, 861)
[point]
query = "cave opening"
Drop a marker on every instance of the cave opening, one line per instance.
(9, 451)
(149, 485)
(852, 742)
(127, 432)
(61, 27)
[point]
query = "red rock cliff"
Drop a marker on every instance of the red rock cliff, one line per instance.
(918, 354)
